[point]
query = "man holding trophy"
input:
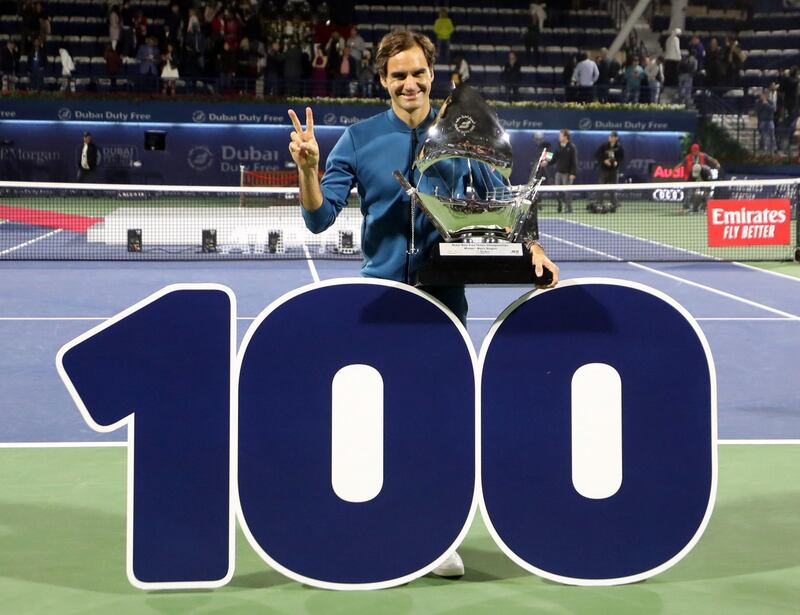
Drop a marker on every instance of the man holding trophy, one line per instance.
(384, 157)
(396, 239)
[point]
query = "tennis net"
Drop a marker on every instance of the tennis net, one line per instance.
(737, 220)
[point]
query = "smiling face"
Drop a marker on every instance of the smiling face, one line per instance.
(408, 80)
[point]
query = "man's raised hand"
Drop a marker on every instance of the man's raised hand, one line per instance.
(303, 146)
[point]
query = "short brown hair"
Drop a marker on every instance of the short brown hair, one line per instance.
(400, 40)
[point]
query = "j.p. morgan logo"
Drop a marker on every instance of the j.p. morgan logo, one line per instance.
(199, 116)
(200, 158)
(65, 113)
(465, 124)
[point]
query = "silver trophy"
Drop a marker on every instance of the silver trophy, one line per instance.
(464, 188)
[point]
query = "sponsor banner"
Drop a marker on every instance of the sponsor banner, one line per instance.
(754, 222)
(203, 154)
(670, 195)
(329, 115)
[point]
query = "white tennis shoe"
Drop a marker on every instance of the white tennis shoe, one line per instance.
(452, 567)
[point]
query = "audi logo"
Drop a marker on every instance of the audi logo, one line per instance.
(668, 194)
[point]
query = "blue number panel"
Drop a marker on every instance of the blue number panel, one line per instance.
(291, 511)
(163, 367)
(559, 520)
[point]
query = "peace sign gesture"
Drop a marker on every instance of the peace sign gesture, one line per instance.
(303, 147)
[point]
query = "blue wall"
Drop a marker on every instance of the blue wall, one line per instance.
(211, 154)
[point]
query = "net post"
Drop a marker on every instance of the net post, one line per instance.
(241, 184)
(796, 207)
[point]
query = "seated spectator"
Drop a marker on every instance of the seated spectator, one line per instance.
(512, 76)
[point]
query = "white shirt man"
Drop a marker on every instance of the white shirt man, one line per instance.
(586, 73)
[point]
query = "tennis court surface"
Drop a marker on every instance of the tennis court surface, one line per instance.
(62, 486)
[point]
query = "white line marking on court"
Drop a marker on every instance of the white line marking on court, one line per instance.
(748, 319)
(53, 318)
(30, 241)
(784, 276)
(62, 444)
(682, 280)
(759, 442)
(311, 266)
(717, 291)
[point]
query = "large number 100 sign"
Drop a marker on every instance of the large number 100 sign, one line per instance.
(356, 432)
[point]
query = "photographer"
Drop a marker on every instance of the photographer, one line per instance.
(610, 156)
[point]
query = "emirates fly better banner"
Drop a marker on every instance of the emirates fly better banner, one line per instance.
(755, 222)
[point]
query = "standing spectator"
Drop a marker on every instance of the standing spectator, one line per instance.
(9, 66)
(608, 71)
(227, 64)
(29, 26)
(88, 160)
(292, 60)
(169, 70)
(194, 47)
(533, 30)
(687, 69)
(585, 76)
(319, 74)
(699, 52)
(655, 78)
(734, 58)
(44, 22)
(765, 113)
(231, 29)
(511, 77)
(274, 69)
(37, 64)
(346, 70)
(610, 156)
(672, 55)
(126, 22)
(113, 65)
(714, 64)
(149, 57)
(356, 45)
(788, 88)
(443, 27)
(67, 68)
(633, 81)
(366, 75)
(565, 160)
(173, 26)
(114, 26)
(139, 29)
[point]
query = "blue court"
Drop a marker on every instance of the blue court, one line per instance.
(749, 316)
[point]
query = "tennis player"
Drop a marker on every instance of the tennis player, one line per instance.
(365, 156)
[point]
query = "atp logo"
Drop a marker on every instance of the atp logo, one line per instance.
(65, 113)
(199, 116)
(200, 158)
(465, 124)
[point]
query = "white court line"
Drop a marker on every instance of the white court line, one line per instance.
(784, 276)
(763, 442)
(717, 291)
(62, 444)
(747, 319)
(760, 442)
(30, 241)
(311, 266)
(684, 281)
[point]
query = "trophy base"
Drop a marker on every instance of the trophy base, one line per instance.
(475, 264)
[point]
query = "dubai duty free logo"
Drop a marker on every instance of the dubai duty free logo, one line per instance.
(200, 158)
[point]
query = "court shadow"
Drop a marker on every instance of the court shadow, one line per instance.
(744, 536)
(63, 546)
(259, 580)
(481, 565)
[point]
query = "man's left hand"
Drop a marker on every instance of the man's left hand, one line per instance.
(541, 262)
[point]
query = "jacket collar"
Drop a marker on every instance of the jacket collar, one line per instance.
(401, 125)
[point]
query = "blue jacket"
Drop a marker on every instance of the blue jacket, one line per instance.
(366, 155)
